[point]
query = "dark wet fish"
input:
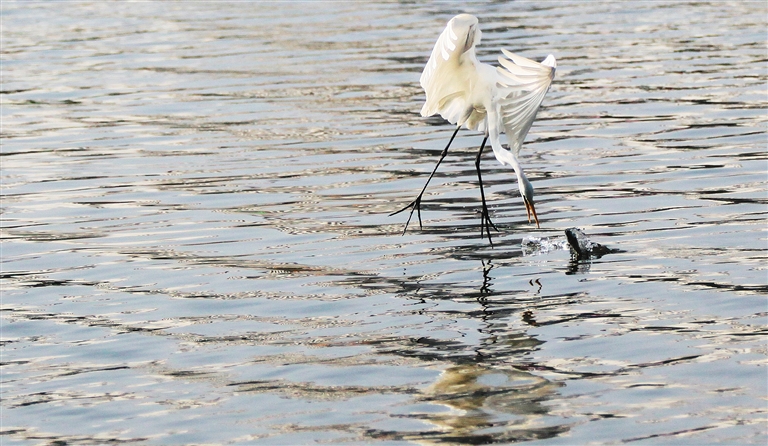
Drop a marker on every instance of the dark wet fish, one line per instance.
(584, 248)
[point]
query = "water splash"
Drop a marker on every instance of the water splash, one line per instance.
(533, 246)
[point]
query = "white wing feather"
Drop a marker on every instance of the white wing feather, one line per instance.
(522, 84)
(445, 93)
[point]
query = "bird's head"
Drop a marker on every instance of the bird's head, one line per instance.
(526, 191)
(467, 30)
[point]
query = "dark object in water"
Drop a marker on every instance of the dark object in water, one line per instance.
(584, 248)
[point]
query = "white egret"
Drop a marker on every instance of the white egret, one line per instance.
(480, 97)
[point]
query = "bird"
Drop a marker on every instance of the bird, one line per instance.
(487, 99)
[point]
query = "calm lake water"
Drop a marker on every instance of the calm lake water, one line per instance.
(197, 247)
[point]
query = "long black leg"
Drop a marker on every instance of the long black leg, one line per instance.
(485, 218)
(416, 204)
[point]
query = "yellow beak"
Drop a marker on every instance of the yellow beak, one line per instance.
(531, 210)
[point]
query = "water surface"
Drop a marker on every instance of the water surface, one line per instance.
(197, 248)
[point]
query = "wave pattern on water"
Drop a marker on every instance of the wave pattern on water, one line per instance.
(196, 247)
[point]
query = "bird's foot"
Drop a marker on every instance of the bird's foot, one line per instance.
(414, 205)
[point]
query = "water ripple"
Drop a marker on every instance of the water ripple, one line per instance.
(196, 247)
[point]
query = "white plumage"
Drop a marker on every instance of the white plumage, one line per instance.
(463, 90)
(479, 97)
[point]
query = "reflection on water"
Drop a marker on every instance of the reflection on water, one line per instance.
(487, 405)
(196, 246)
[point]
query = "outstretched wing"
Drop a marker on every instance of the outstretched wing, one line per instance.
(522, 84)
(445, 91)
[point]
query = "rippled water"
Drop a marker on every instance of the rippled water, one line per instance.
(196, 246)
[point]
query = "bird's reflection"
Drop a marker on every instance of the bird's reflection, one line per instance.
(478, 397)
(484, 397)
(535, 282)
(486, 287)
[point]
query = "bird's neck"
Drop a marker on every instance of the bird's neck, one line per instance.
(521, 178)
(503, 155)
(508, 157)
